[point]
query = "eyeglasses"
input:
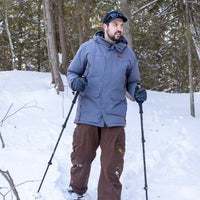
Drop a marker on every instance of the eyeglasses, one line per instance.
(114, 15)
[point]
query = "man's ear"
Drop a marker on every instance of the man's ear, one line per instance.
(104, 27)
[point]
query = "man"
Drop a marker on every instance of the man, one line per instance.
(102, 71)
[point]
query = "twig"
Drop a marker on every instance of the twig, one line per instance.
(143, 7)
(27, 182)
(7, 116)
(4, 118)
(20, 185)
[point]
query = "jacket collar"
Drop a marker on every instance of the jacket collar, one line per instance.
(119, 46)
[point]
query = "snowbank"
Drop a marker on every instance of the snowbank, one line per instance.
(30, 134)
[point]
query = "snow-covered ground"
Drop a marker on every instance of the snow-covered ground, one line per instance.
(172, 142)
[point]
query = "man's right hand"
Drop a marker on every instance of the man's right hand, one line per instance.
(79, 84)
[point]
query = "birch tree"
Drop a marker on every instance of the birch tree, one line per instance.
(9, 35)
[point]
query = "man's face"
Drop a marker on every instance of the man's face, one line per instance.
(114, 31)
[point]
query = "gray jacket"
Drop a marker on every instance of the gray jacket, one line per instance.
(111, 70)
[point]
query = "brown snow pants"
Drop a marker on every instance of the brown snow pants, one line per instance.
(86, 140)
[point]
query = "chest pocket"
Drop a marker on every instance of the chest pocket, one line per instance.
(95, 66)
(119, 73)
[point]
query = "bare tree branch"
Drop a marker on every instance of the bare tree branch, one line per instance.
(192, 2)
(2, 141)
(9, 179)
(143, 7)
(6, 116)
(12, 187)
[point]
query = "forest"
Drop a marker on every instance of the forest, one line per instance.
(44, 35)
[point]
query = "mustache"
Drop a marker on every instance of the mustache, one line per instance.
(118, 32)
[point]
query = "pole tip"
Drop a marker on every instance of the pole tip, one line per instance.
(37, 196)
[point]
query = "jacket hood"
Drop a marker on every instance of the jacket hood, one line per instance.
(119, 46)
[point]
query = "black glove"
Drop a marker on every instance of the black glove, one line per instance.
(78, 84)
(140, 94)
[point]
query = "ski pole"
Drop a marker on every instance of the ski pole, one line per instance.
(143, 149)
(63, 127)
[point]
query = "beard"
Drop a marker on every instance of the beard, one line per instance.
(113, 37)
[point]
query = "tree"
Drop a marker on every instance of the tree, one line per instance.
(65, 59)
(189, 51)
(52, 46)
(39, 37)
(126, 4)
(9, 35)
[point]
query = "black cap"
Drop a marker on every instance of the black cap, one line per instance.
(113, 15)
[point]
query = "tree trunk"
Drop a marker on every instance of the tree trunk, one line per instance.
(20, 45)
(86, 20)
(79, 22)
(196, 56)
(127, 34)
(127, 26)
(70, 42)
(65, 59)
(82, 16)
(39, 38)
(196, 36)
(189, 38)
(9, 35)
(52, 47)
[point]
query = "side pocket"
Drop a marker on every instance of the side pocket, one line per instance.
(121, 141)
(75, 138)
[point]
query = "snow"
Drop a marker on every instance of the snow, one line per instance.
(30, 134)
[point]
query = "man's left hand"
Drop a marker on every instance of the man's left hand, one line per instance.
(140, 94)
